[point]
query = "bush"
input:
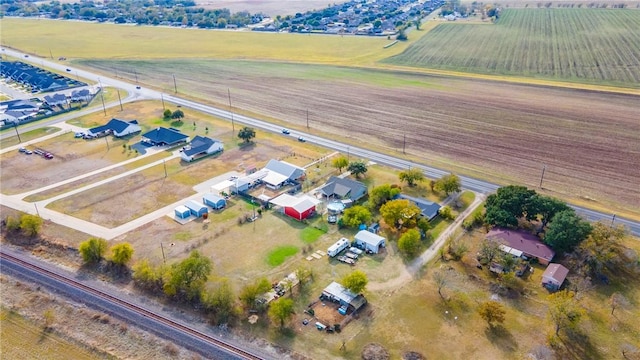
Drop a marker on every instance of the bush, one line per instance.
(92, 250)
(446, 213)
(13, 224)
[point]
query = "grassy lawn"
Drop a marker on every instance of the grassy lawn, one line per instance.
(466, 198)
(280, 254)
(21, 339)
(310, 235)
(29, 135)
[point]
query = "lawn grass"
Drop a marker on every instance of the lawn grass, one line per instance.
(309, 235)
(466, 198)
(278, 255)
(603, 51)
(21, 339)
(29, 135)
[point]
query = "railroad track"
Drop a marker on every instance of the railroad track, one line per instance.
(232, 350)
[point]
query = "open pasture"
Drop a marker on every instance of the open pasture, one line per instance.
(499, 131)
(74, 40)
(578, 45)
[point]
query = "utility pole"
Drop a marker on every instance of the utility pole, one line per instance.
(165, 167)
(120, 100)
(307, 118)
(107, 141)
(613, 219)
(102, 97)
(404, 143)
(544, 167)
(175, 85)
(37, 212)
(136, 74)
(233, 128)
(163, 257)
(162, 99)
(15, 126)
(50, 54)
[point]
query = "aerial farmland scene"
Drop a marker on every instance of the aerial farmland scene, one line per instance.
(365, 179)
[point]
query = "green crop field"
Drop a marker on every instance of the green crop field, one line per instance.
(582, 45)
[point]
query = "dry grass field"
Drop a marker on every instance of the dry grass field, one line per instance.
(589, 141)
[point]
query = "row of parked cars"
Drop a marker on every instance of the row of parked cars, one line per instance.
(44, 154)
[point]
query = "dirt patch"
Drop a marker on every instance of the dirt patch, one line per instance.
(327, 313)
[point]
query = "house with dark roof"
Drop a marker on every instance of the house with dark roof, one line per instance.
(117, 127)
(428, 209)
(528, 244)
(81, 95)
(554, 276)
(200, 147)
(279, 173)
(164, 136)
(342, 188)
(56, 99)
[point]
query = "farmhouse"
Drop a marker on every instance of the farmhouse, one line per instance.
(369, 241)
(342, 188)
(164, 136)
(554, 276)
(337, 293)
(197, 209)
(182, 212)
(299, 208)
(281, 172)
(428, 209)
(529, 245)
(117, 127)
(215, 201)
(200, 147)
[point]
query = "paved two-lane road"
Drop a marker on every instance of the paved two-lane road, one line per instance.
(467, 182)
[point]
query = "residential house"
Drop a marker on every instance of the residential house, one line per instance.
(528, 244)
(428, 209)
(281, 172)
(117, 127)
(56, 100)
(554, 276)
(343, 188)
(200, 147)
(164, 136)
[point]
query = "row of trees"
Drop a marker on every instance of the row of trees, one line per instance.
(94, 249)
(29, 225)
(356, 168)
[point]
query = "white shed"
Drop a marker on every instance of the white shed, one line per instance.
(369, 241)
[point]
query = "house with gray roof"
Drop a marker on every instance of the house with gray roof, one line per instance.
(200, 147)
(117, 127)
(164, 136)
(56, 99)
(428, 209)
(291, 171)
(343, 188)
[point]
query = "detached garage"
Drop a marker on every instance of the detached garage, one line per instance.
(215, 201)
(369, 241)
(197, 209)
(182, 212)
(298, 208)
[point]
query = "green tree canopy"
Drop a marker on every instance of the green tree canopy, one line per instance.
(30, 224)
(507, 205)
(249, 294)
(356, 215)
(178, 115)
(355, 282)
(246, 134)
(603, 251)
(187, 278)
(281, 310)
(411, 176)
(357, 168)
(409, 243)
(492, 312)
(564, 310)
(167, 114)
(147, 276)
(566, 231)
(340, 162)
(448, 184)
(92, 250)
(220, 303)
(121, 253)
(489, 250)
(545, 207)
(381, 194)
(400, 214)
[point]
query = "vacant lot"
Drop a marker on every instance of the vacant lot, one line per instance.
(589, 141)
(579, 45)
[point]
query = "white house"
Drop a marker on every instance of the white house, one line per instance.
(369, 241)
(199, 147)
(554, 276)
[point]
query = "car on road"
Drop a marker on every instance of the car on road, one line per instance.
(301, 139)
(25, 55)
(68, 69)
(286, 131)
(138, 87)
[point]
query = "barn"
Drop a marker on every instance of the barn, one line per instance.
(197, 209)
(182, 212)
(299, 208)
(214, 201)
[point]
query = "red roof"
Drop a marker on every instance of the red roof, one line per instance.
(529, 244)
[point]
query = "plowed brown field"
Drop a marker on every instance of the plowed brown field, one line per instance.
(589, 141)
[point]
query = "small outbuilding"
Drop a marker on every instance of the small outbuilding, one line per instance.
(197, 209)
(339, 294)
(215, 201)
(182, 212)
(299, 208)
(554, 276)
(369, 241)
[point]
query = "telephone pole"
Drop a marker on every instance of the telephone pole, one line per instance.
(233, 128)
(404, 143)
(120, 100)
(102, 97)
(307, 118)
(175, 85)
(544, 167)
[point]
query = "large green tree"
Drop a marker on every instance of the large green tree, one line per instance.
(187, 278)
(148, 276)
(411, 176)
(121, 253)
(507, 205)
(400, 214)
(409, 243)
(92, 250)
(281, 310)
(340, 162)
(448, 184)
(545, 207)
(220, 302)
(246, 134)
(604, 252)
(566, 231)
(381, 194)
(249, 294)
(356, 281)
(357, 168)
(356, 215)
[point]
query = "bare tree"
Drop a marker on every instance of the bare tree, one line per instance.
(442, 280)
(630, 352)
(618, 300)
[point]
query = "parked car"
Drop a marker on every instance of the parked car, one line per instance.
(28, 152)
(79, 135)
(332, 219)
(48, 156)
(286, 131)
(22, 150)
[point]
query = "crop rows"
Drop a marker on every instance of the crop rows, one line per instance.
(591, 45)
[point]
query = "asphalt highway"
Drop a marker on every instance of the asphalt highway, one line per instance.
(145, 93)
